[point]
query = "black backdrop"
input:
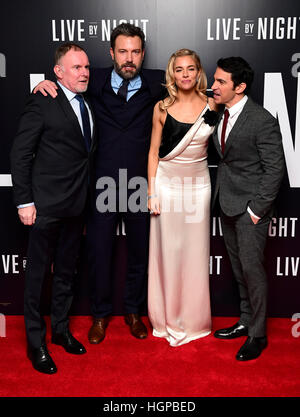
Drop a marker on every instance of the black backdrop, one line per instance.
(266, 33)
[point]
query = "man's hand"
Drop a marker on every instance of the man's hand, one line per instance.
(27, 215)
(45, 87)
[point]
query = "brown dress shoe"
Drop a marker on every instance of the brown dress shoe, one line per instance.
(137, 327)
(97, 331)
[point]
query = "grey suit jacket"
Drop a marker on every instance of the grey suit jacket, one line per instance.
(252, 167)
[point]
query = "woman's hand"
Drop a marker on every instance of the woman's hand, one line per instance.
(153, 205)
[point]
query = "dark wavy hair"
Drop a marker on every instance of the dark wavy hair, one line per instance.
(126, 29)
(240, 70)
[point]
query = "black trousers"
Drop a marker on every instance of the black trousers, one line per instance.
(101, 233)
(54, 240)
(245, 243)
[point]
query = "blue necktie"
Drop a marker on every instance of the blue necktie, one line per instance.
(85, 122)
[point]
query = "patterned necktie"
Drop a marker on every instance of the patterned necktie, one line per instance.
(226, 115)
(85, 122)
(123, 89)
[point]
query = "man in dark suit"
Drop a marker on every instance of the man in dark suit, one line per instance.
(123, 98)
(124, 120)
(250, 171)
(51, 162)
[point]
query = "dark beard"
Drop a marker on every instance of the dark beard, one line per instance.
(127, 75)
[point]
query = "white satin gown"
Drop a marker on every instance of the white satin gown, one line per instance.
(178, 287)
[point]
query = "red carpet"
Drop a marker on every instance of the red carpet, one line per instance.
(122, 366)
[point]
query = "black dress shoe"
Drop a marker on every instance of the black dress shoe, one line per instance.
(232, 332)
(252, 348)
(68, 342)
(41, 360)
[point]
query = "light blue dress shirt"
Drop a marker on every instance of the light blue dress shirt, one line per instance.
(133, 86)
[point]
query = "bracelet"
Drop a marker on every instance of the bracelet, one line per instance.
(151, 196)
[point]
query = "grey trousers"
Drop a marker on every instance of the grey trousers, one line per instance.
(245, 243)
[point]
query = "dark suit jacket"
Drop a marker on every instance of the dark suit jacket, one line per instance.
(251, 170)
(49, 162)
(124, 127)
(153, 78)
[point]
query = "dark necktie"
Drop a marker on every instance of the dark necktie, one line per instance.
(226, 115)
(123, 89)
(85, 121)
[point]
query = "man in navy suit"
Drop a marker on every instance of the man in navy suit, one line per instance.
(51, 162)
(123, 98)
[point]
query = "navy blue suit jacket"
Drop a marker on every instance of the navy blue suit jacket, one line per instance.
(124, 127)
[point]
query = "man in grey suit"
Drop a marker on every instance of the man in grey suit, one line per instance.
(250, 171)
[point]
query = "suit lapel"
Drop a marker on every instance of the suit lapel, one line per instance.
(93, 117)
(147, 81)
(238, 126)
(71, 116)
(68, 111)
(216, 139)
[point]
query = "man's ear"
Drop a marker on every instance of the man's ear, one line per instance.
(58, 71)
(112, 54)
(239, 89)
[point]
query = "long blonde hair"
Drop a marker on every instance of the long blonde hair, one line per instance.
(170, 79)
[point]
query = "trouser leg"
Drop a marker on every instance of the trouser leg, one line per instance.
(137, 233)
(41, 244)
(245, 243)
(64, 266)
(101, 233)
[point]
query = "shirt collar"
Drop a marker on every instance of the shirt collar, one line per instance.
(69, 94)
(117, 79)
(237, 107)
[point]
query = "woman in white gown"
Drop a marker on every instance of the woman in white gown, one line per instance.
(179, 203)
